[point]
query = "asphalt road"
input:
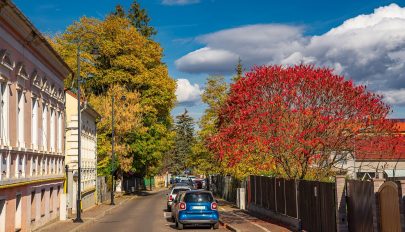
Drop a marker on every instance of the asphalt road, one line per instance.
(144, 214)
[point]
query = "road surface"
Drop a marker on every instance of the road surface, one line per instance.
(144, 214)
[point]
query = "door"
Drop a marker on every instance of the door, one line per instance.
(389, 201)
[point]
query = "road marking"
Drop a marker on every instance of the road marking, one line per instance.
(244, 219)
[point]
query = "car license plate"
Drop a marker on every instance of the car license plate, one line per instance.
(198, 207)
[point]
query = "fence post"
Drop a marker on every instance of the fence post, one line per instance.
(402, 201)
(341, 214)
(376, 210)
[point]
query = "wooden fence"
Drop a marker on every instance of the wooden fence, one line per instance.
(312, 202)
(376, 205)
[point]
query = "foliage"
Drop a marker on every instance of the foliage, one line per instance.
(215, 93)
(239, 71)
(295, 121)
(138, 17)
(126, 63)
(184, 141)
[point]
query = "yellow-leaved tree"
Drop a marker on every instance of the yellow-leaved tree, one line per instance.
(117, 60)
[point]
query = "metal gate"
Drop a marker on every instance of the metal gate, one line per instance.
(359, 205)
(389, 202)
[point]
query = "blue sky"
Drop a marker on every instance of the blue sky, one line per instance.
(362, 39)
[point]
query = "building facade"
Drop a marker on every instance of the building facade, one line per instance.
(368, 166)
(88, 152)
(31, 124)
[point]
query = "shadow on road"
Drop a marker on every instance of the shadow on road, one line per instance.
(192, 227)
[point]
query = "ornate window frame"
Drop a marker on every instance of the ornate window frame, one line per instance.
(5, 59)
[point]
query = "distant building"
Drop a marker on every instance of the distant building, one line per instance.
(31, 124)
(88, 152)
(368, 165)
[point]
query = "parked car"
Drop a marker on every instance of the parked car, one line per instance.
(197, 207)
(173, 193)
(176, 201)
(198, 183)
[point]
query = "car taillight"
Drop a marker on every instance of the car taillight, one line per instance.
(182, 206)
(214, 205)
(170, 198)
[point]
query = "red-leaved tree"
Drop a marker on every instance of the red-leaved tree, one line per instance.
(296, 122)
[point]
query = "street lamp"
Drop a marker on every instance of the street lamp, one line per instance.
(79, 137)
(123, 98)
(79, 143)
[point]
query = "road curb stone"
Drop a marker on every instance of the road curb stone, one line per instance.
(228, 226)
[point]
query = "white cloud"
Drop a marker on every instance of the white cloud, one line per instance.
(179, 2)
(186, 93)
(394, 97)
(368, 48)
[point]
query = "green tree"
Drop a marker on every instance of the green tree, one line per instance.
(183, 144)
(127, 63)
(239, 71)
(139, 18)
(215, 94)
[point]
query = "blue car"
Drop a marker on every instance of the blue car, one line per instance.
(197, 207)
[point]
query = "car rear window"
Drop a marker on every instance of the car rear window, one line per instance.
(175, 191)
(198, 197)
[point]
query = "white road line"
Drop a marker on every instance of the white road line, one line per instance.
(244, 219)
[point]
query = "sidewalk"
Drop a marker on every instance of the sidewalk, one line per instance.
(238, 220)
(90, 216)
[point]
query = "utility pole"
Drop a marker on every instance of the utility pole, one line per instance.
(79, 143)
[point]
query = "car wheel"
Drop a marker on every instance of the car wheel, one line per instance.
(180, 226)
(216, 226)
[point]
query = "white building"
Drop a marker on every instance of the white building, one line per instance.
(88, 152)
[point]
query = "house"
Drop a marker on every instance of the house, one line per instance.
(89, 118)
(367, 165)
(32, 115)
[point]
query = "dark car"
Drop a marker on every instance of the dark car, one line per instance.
(197, 207)
(198, 184)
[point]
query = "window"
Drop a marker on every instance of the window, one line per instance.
(51, 199)
(52, 165)
(33, 208)
(43, 166)
(4, 113)
(42, 203)
(3, 166)
(20, 118)
(58, 198)
(34, 124)
(52, 125)
(19, 166)
(2, 215)
(18, 212)
(34, 163)
(198, 197)
(44, 127)
(60, 132)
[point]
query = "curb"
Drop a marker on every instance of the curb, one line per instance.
(90, 222)
(228, 226)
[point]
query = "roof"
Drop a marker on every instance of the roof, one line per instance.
(89, 107)
(35, 33)
(383, 148)
(373, 149)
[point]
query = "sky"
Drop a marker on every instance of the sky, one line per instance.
(363, 40)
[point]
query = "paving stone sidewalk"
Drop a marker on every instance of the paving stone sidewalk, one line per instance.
(89, 216)
(238, 220)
